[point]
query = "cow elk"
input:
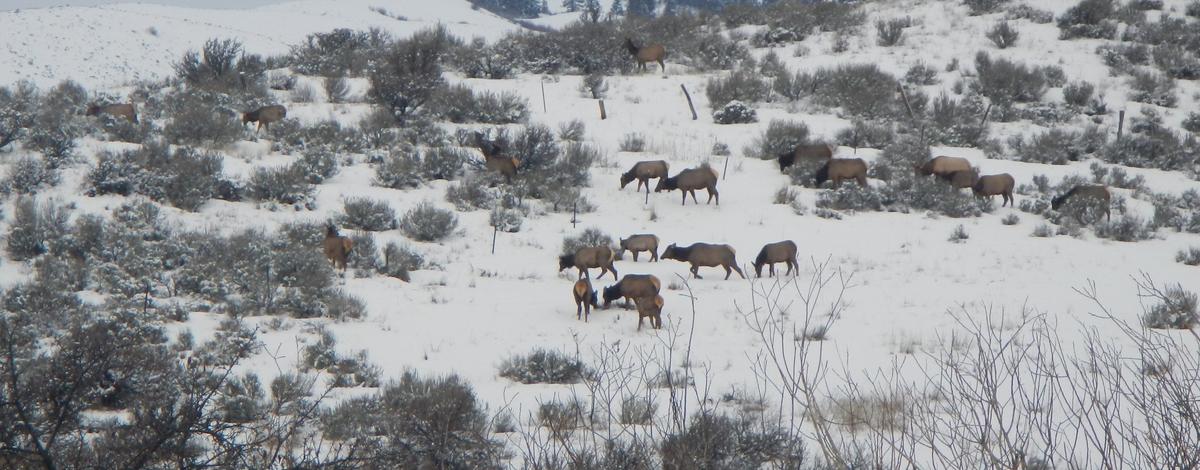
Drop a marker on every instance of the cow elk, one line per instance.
(585, 299)
(840, 169)
(942, 166)
(643, 172)
(587, 258)
(991, 185)
(804, 153)
(632, 286)
(264, 116)
(639, 243)
(705, 255)
(649, 307)
(336, 247)
(1095, 194)
(123, 110)
(691, 179)
(651, 53)
(778, 252)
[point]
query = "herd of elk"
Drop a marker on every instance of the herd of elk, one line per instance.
(264, 116)
(651, 53)
(123, 110)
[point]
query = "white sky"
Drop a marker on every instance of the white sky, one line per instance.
(14, 4)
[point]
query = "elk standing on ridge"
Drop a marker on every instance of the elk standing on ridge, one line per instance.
(651, 53)
(691, 179)
(705, 255)
(264, 116)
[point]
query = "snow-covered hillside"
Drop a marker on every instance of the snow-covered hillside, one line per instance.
(473, 309)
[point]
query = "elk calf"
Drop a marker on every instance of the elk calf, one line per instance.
(640, 242)
(585, 299)
(991, 185)
(649, 307)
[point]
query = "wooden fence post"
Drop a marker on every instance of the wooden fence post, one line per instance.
(1120, 123)
(689, 100)
(543, 82)
(603, 115)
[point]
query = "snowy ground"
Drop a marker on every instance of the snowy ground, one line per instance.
(478, 308)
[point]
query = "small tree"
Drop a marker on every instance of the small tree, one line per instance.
(410, 73)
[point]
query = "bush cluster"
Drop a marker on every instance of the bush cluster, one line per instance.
(427, 222)
(780, 137)
(1089, 19)
(367, 214)
(544, 366)
(338, 53)
(735, 112)
(459, 104)
(185, 178)
(742, 85)
(29, 175)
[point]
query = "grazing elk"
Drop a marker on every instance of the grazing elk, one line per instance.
(336, 247)
(632, 286)
(1094, 193)
(585, 299)
(839, 169)
(640, 242)
(805, 152)
(125, 110)
(961, 179)
(643, 172)
(691, 179)
(649, 307)
(942, 166)
(705, 255)
(587, 258)
(651, 53)
(778, 252)
(991, 185)
(264, 116)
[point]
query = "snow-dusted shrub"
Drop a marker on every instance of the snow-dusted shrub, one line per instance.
(460, 104)
(1143, 5)
(771, 66)
(594, 86)
(632, 142)
(637, 410)
(899, 158)
(1127, 228)
(1151, 145)
(907, 192)
(735, 112)
(1056, 147)
(285, 185)
(1089, 19)
(860, 90)
(785, 195)
(1043, 231)
(426, 420)
(742, 85)
(866, 134)
(850, 197)
(328, 134)
(222, 66)
(427, 222)
(1010, 219)
(471, 193)
(337, 89)
(795, 86)
(1191, 123)
(35, 229)
(1026, 12)
(959, 235)
(409, 73)
(572, 131)
(591, 236)
(1003, 35)
(544, 366)
(1193, 9)
(1176, 62)
(28, 175)
(367, 214)
(983, 7)
(506, 220)
(341, 52)
(57, 124)
(713, 440)
(364, 257)
(780, 137)
(200, 118)
(399, 260)
(1177, 309)
(185, 178)
(399, 170)
(18, 111)
(1190, 256)
(921, 74)
(890, 32)
(317, 164)
(480, 60)
(1006, 82)
(957, 122)
(1078, 94)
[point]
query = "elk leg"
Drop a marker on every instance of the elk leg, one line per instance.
(664, 66)
(772, 265)
(640, 322)
(693, 191)
(712, 193)
(614, 272)
(578, 310)
(730, 271)
(862, 181)
(695, 271)
(587, 311)
(739, 271)
(684, 202)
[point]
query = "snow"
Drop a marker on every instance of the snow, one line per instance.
(476, 309)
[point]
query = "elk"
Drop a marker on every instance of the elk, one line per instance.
(778, 252)
(1095, 193)
(942, 166)
(585, 299)
(705, 255)
(336, 247)
(643, 172)
(638, 243)
(961, 179)
(587, 258)
(691, 179)
(494, 158)
(991, 185)
(125, 110)
(649, 307)
(632, 286)
(839, 169)
(805, 152)
(651, 53)
(264, 116)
